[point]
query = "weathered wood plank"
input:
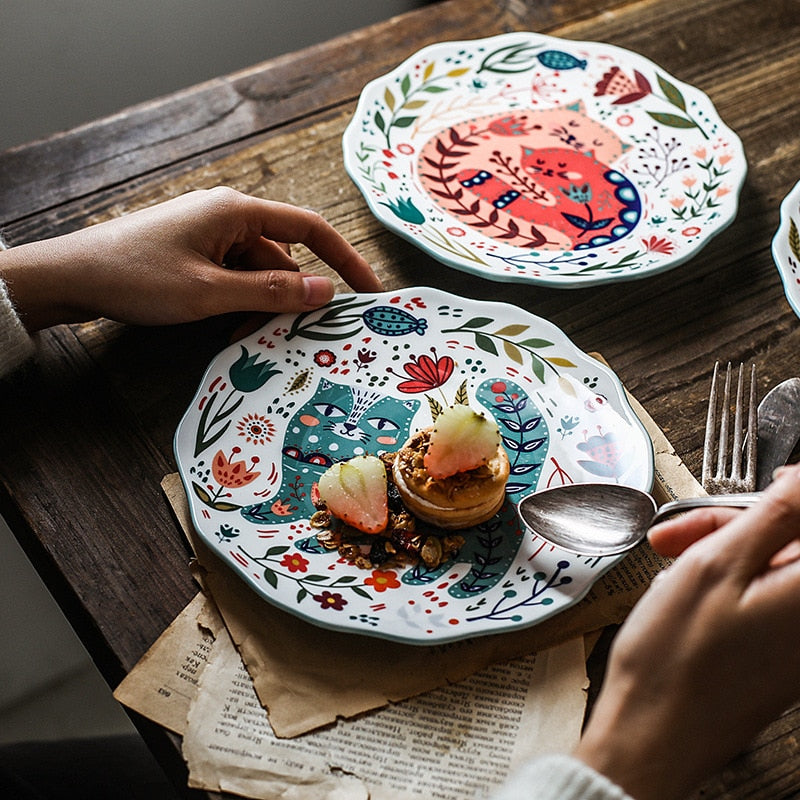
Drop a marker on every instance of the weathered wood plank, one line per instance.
(93, 420)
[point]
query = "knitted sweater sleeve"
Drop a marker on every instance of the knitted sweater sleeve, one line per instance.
(558, 777)
(15, 343)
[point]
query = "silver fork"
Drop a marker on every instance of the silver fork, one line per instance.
(742, 450)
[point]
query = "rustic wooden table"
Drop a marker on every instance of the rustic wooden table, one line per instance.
(87, 430)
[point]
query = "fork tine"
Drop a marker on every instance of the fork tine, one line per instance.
(722, 445)
(709, 445)
(741, 451)
(752, 433)
(736, 450)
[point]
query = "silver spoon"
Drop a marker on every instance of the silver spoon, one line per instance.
(600, 519)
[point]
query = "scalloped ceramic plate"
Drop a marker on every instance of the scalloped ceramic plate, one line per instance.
(786, 247)
(274, 410)
(528, 158)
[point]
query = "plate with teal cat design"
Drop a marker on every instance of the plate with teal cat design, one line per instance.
(522, 157)
(359, 376)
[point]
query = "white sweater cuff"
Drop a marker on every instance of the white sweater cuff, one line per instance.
(16, 344)
(559, 777)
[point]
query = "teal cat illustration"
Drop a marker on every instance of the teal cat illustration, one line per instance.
(336, 423)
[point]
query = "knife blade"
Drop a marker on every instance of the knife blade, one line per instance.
(778, 429)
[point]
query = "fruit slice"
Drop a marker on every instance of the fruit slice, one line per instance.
(461, 440)
(354, 491)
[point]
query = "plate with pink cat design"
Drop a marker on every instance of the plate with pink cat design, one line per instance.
(522, 157)
(359, 376)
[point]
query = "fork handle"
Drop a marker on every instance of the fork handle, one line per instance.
(736, 500)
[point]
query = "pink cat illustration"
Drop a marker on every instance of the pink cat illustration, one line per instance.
(534, 179)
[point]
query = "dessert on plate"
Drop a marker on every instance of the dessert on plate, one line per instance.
(453, 474)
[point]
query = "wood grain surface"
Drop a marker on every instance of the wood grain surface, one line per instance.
(87, 428)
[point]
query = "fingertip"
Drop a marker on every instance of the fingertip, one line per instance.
(317, 290)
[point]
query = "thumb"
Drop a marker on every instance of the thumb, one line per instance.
(270, 290)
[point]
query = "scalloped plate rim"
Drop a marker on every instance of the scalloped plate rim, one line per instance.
(608, 562)
(567, 281)
(791, 291)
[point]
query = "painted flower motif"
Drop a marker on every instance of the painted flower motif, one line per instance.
(282, 508)
(294, 562)
(626, 90)
(578, 194)
(426, 373)
(226, 533)
(230, 473)
(499, 387)
(508, 126)
(381, 580)
(405, 209)
(656, 244)
(607, 459)
(324, 358)
(256, 429)
(248, 374)
(332, 600)
(364, 358)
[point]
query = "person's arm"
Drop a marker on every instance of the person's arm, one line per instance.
(16, 346)
(204, 253)
(706, 659)
(710, 654)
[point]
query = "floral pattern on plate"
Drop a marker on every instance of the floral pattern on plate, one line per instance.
(528, 158)
(786, 247)
(359, 376)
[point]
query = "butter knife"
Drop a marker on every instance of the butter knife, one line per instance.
(778, 429)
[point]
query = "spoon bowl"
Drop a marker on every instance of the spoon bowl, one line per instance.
(600, 519)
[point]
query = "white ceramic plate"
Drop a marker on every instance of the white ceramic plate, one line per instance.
(527, 158)
(786, 247)
(274, 410)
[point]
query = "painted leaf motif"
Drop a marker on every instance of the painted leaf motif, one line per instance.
(458, 72)
(485, 344)
(428, 71)
(477, 322)
(404, 122)
(557, 361)
(270, 577)
(218, 505)
(794, 239)
(536, 344)
(388, 98)
(512, 330)
(514, 58)
(672, 120)
(512, 351)
(405, 85)
(435, 407)
(672, 93)
(538, 367)
(462, 398)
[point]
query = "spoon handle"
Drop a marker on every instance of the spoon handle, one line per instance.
(737, 500)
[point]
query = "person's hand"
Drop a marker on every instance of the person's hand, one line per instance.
(710, 654)
(204, 253)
